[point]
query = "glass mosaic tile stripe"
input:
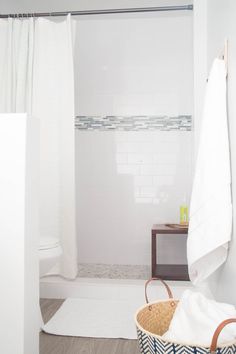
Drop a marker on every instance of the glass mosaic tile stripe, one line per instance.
(134, 123)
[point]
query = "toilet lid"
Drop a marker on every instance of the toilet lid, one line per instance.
(46, 243)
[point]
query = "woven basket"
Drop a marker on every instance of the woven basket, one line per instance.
(153, 320)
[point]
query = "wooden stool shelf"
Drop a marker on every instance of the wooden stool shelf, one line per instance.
(167, 271)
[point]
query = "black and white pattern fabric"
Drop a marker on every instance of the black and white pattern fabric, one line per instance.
(153, 345)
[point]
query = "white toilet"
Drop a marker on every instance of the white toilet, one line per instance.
(49, 254)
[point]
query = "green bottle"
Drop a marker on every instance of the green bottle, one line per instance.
(184, 213)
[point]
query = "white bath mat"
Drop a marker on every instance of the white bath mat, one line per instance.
(95, 318)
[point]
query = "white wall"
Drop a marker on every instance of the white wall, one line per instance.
(126, 182)
(18, 233)
(200, 64)
(221, 25)
(134, 64)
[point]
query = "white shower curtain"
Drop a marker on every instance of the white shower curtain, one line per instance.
(36, 76)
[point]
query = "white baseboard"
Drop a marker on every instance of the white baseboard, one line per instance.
(55, 287)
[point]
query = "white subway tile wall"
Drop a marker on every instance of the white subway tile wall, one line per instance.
(153, 160)
(126, 182)
(134, 101)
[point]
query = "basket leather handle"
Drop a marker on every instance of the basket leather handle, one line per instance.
(163, 282)
(217, 333)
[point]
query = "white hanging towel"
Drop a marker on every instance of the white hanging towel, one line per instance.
(211, 207)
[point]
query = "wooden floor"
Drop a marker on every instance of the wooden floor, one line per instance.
(50, 344)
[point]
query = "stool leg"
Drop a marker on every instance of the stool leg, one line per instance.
(154, 255)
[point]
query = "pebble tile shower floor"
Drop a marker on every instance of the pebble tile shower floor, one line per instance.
(114, 271)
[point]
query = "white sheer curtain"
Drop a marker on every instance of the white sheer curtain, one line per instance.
(36, 76)
(16, 65)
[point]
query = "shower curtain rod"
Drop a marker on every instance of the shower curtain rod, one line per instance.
(100, 12)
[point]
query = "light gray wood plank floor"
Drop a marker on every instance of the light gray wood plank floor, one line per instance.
(50, 344)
